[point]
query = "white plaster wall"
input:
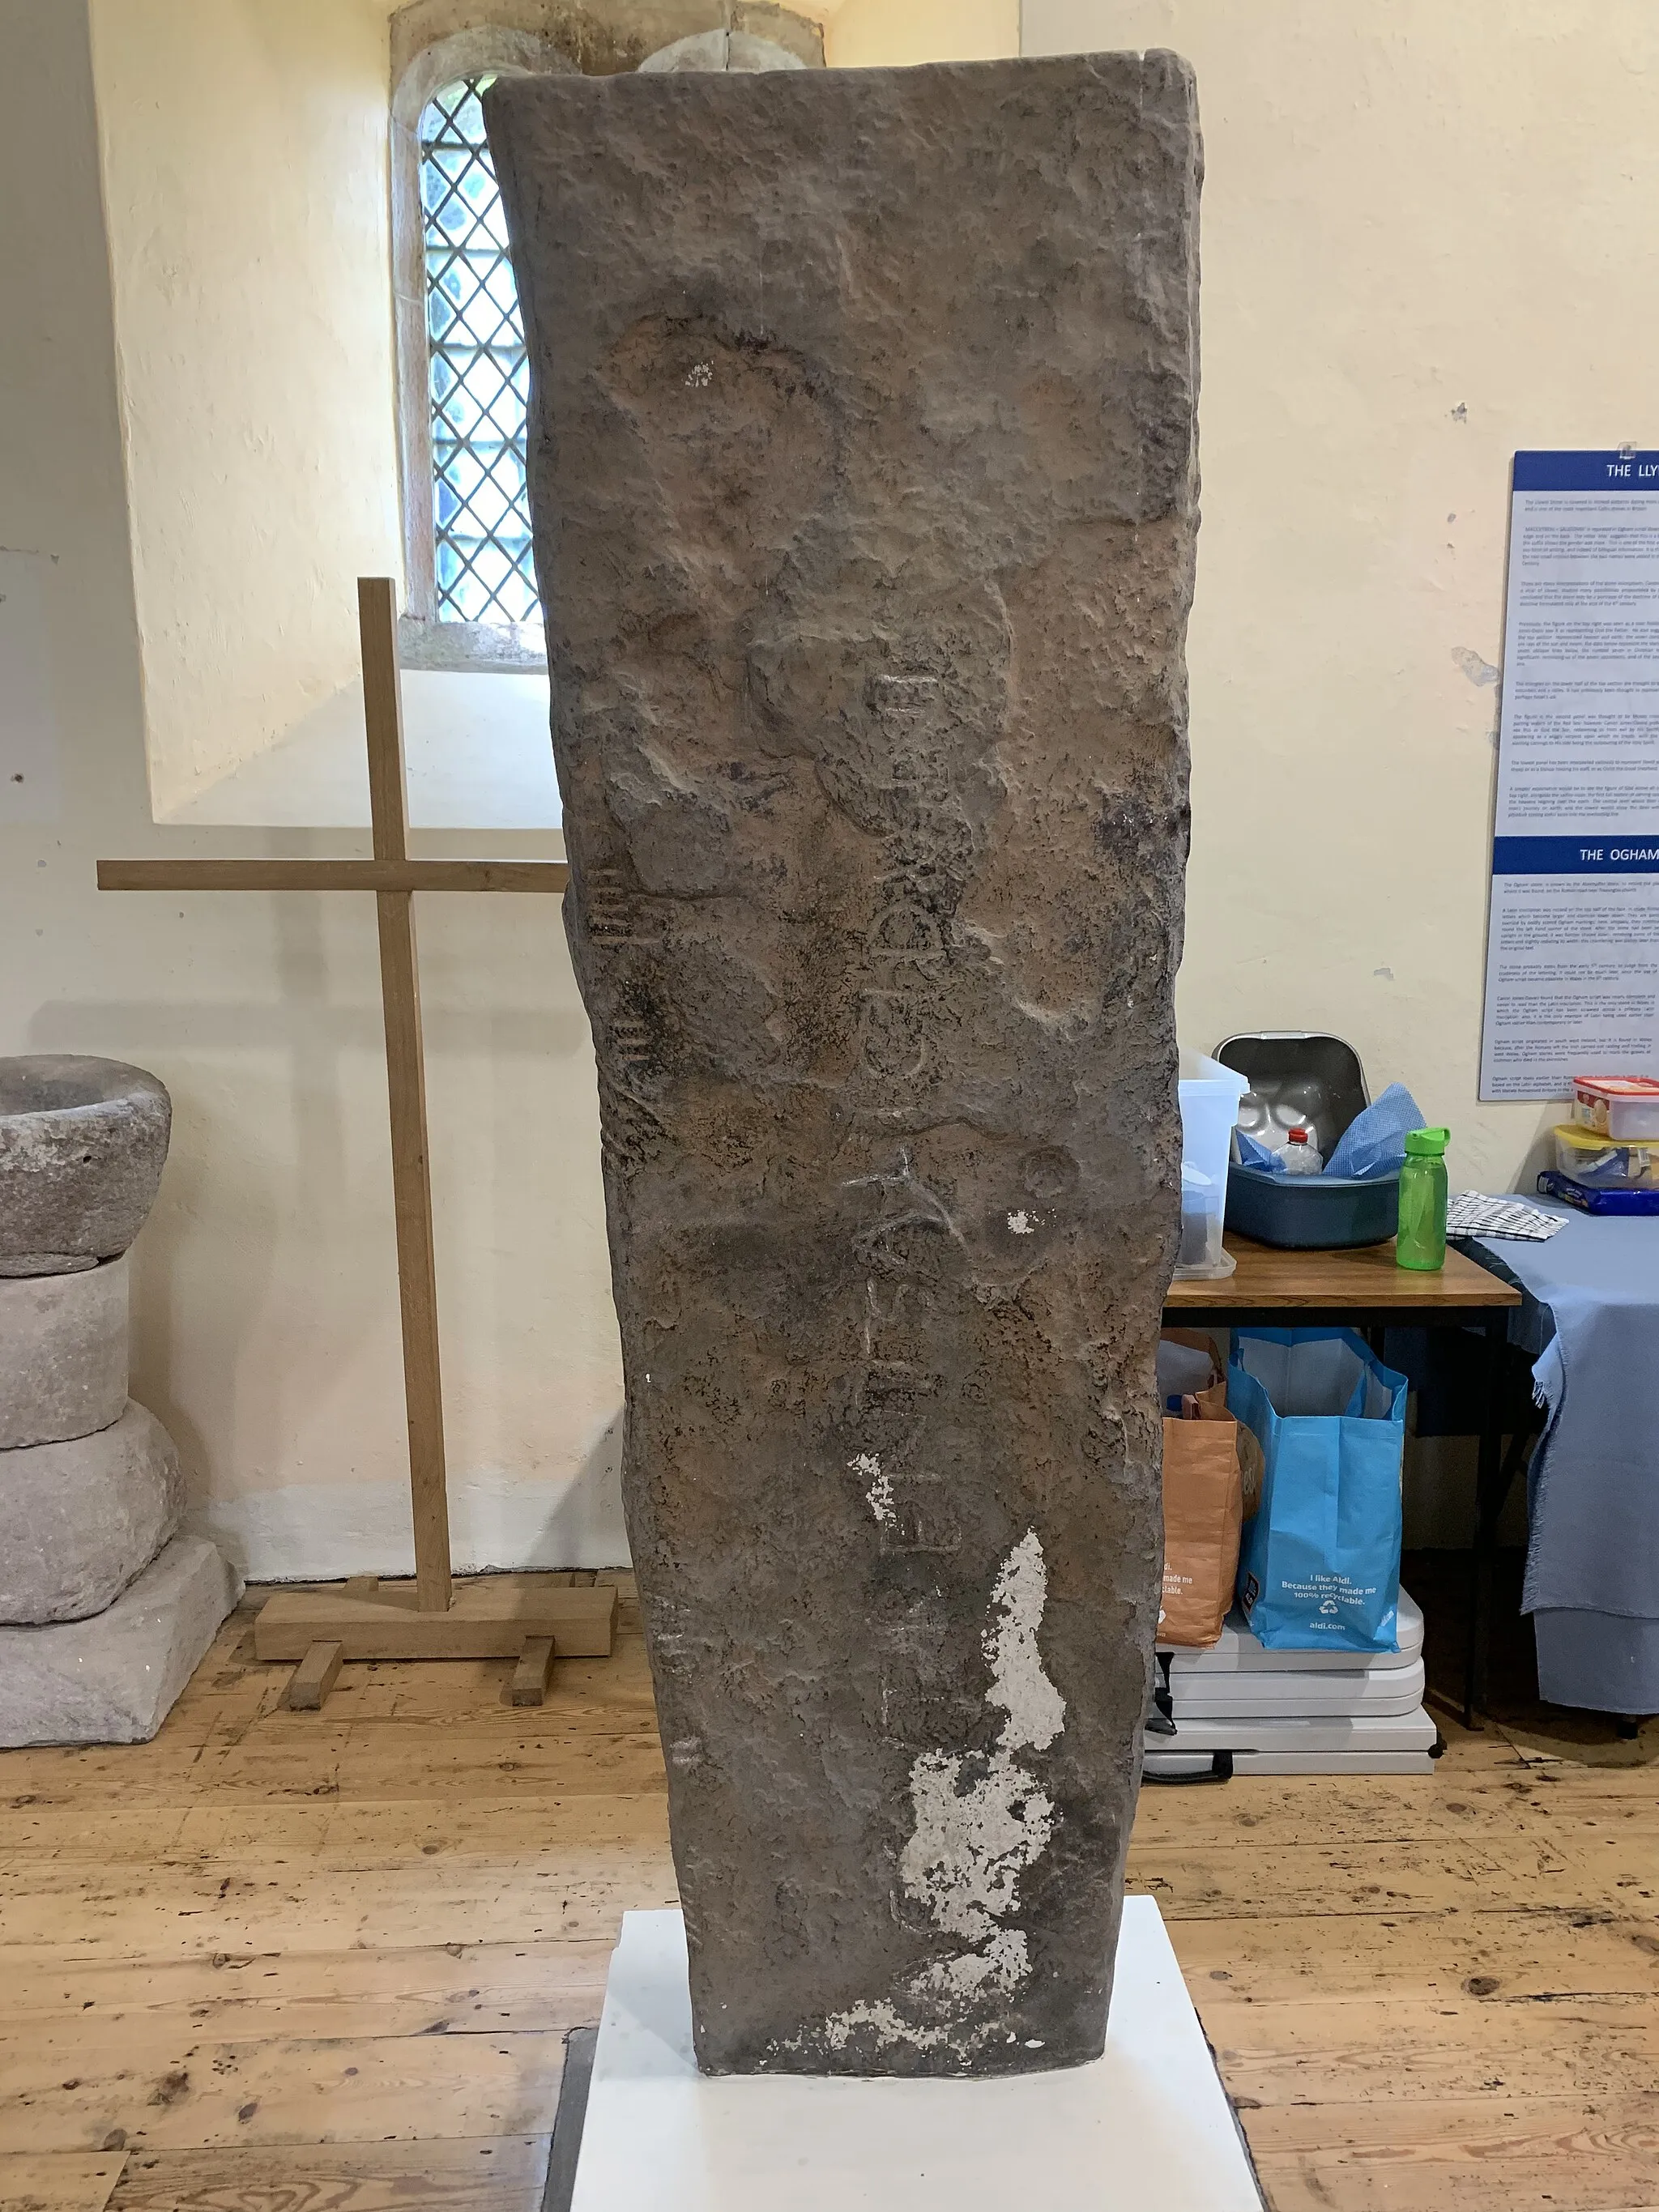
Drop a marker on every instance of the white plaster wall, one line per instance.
(1426, 237)
(245, 146)
(1427, 241)
(266, 1333)
(888, 34)
(244, 149)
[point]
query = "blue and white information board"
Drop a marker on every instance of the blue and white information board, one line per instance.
(1572, 945)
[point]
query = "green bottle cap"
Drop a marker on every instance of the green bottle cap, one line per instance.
(1427, 1144)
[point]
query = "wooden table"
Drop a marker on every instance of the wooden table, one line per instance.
(1363, 1289)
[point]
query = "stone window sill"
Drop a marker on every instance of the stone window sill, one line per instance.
(482, 649)
(476, 745)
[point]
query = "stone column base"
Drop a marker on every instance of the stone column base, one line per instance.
(115, 1677)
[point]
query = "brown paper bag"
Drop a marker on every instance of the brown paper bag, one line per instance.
(1203, 1513)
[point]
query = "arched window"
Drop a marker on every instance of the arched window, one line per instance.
(470, 589)
(478, 387)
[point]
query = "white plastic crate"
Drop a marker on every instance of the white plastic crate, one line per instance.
(1239, 1652)
(1401, 1744)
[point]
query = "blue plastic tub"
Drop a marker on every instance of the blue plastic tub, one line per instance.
(1311, 1214)
(1320, 1075)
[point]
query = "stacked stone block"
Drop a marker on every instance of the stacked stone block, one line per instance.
(105, 1606)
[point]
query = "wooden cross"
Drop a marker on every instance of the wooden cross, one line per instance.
(490, 1616)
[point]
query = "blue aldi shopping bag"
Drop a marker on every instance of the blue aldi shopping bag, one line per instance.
(1320, 1565)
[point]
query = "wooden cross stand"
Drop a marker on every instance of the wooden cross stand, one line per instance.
(529, 1617)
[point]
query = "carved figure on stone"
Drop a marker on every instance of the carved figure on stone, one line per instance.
(864, 482)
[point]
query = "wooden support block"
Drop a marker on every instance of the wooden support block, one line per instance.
(530, 1676)
(362, 1585)
(315, 1677)
(491, 1617)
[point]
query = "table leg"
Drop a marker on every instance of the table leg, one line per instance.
(1490, 1486)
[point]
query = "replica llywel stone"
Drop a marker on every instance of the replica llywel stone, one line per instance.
(864, 480)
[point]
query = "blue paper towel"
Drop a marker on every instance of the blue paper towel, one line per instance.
(1372, 1144)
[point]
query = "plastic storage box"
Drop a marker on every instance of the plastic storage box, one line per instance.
(1606, 1162)
(1209, 1107)
(1295, 1712)
(1618, 1106)
(1320, 1078)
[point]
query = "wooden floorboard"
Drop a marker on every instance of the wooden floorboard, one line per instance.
(325, 1962)
(59, 2181)
(503, 2174)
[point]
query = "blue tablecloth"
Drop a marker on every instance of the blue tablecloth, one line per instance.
(1592, 1585)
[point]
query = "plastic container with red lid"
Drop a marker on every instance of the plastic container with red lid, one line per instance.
(1618, 1106)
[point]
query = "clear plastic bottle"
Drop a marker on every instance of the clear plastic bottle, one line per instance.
(1301, 1154)
(1421, 1241)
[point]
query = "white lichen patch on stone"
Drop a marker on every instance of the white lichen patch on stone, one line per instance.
(979, 1820)
(888, 2023)
(1019, 1682)
(949, 1987)
(997, 1969)
(879, 1495)
(1022, 1224)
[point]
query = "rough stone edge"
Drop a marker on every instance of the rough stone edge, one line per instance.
(115, 1677)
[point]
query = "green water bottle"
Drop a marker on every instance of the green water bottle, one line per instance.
(1422, 1239)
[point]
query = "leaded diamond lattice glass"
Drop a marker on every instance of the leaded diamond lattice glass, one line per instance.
(479, 378)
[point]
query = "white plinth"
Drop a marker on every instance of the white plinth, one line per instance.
(1145, 2129)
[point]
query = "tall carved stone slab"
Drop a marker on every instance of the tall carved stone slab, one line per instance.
(864, 486)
